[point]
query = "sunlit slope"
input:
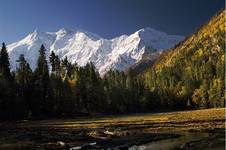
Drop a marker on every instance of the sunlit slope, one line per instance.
(207, 41)
(194, 69)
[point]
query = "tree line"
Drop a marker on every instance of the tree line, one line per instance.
(65, 89)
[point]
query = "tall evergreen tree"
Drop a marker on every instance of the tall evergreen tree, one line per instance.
(25, 86)
(7, 90)
(4, 62)
(42, 70)
(52, 60)
(24, 72)
(42, 81)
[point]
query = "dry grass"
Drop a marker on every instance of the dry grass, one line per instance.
(206, 118)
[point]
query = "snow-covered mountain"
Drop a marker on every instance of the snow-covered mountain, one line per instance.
(83, 47)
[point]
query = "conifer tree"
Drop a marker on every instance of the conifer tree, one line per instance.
(52, 60)
(24, 85)
(24, 72)
(7, 86)
(57, 66)
(42, 82)
(4, 62)
(42, 70)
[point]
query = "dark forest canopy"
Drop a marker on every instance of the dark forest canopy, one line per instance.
(69, 90)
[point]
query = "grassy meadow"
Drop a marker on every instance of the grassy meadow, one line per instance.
(115, 131)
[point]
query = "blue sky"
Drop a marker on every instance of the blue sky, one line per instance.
(108, 18)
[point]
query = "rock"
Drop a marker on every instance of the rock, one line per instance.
(108, 132)
(60, 143)
(76, 148)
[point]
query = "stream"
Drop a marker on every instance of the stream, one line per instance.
(176, 143)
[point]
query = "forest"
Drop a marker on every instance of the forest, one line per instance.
(192, 74)
(62, 89)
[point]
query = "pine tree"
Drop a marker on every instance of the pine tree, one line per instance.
(7, 87)
(57, 66)
(4, 63)
(42, 70)
(66, 68)
(94, 88)
(42, 82)
(52, 60)
(81, 90)
(25, 88)
(131, 91)
(24, 72)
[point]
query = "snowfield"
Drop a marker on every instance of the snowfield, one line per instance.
(82, 47)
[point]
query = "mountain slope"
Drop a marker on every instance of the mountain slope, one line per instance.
(193, 71)
(207, 35)
(83, 47)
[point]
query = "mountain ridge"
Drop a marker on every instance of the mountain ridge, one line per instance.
(215, 21)
(82, 47)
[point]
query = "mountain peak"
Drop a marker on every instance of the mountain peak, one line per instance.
(155, 39)
(82, 47)
(65, 30)
(35, 35)
(148, 29)
(35, 31)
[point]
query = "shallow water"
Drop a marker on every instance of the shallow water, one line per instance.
(171, 144)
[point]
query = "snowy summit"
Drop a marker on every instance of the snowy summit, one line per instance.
(83, 47)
